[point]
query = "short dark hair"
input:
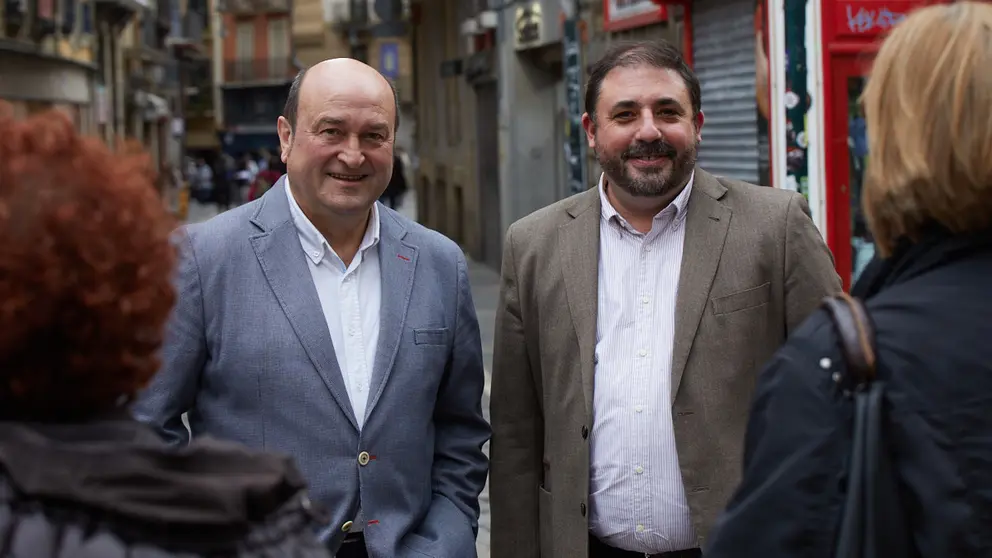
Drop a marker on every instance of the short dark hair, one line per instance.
(657, 54)
(292, 107)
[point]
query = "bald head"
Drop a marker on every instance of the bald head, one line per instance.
(332, 75)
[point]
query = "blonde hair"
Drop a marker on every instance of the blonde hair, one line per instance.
(928, 108)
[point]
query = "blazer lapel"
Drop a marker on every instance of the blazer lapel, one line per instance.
(579, 240)
(279, 253)
(706, 224)
(397, 263)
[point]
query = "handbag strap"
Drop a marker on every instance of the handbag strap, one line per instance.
(856, 335)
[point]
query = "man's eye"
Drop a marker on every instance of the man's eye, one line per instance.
(331, 132)
(376, 137)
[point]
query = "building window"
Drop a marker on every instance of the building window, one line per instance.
(87, 16)
(246, 40)
(69, 16)
(278, 48)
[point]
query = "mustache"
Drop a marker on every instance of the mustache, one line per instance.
(660, 148)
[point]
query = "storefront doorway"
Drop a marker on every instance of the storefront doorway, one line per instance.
(852, 32)
(850, 239)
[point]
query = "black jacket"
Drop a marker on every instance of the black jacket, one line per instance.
(931, 305)
(112, 489)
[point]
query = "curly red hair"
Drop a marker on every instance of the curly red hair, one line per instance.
(85, 271)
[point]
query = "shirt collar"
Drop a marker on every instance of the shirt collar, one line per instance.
(679, 203)
(314, 243)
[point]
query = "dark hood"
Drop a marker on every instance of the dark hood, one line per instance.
(121, 467)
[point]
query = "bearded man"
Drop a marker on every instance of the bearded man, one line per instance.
(633, 321)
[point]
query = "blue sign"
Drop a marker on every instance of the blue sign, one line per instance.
(389, 60)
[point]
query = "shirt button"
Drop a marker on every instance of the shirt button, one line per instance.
(638, 409)
(639, 469)
(363, 458)
(640, 528)
(642, 352)
(645, 300)
(316, 254)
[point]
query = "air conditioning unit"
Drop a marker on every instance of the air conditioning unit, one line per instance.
(337, 11)
(374, 18)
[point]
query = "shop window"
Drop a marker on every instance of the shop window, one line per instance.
(862, 244)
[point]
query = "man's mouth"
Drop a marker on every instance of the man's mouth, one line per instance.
(347, 177)
(647, 157)
(647, 161)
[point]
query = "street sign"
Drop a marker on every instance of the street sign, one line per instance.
(575, 141)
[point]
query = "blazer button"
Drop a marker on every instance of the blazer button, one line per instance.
(363, 458)
(585, 432)
(346, 527)
(582, 509)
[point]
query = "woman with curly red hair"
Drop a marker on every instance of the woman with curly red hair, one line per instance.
(85, 269)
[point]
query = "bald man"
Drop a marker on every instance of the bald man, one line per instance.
(318, 323)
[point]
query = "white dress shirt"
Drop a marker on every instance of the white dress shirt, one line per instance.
(350, 297)
(637, 499)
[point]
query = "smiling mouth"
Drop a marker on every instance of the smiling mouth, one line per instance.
(348, 177)
(647, 158)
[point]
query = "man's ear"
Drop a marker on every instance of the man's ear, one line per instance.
(285, 138)
(590, 127)
(698, 121)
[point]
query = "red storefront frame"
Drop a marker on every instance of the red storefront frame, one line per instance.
(662, 15)
(630, 22)
(852, 31)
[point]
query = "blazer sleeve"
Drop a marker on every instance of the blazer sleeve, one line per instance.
(460, 464)
(518, 427)
(809, 266)
(173, 390)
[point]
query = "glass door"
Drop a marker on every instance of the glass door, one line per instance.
(850, 240)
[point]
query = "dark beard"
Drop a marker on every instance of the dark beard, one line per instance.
(650, 183)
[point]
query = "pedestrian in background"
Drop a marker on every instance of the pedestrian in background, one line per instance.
(368, 368)
(85, 290)
(633, 320)
(393, 196)
(928, 198)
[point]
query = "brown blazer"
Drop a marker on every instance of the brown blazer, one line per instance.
(754, 266)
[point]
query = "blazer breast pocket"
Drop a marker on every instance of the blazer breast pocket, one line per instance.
(743, 300)
(430, 336)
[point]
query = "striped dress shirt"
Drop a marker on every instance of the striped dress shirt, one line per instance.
(637, 499)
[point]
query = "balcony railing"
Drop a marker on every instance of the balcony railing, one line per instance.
(260, 69)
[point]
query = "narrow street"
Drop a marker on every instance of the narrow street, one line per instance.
(485, 292)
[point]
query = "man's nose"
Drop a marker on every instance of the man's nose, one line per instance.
(648, 131)
(352, 155)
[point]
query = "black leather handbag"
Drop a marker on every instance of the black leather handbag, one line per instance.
(874, 523)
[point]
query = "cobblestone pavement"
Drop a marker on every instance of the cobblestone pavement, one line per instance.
(485, 292)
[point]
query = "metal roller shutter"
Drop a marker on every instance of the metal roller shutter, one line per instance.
(723, 55)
